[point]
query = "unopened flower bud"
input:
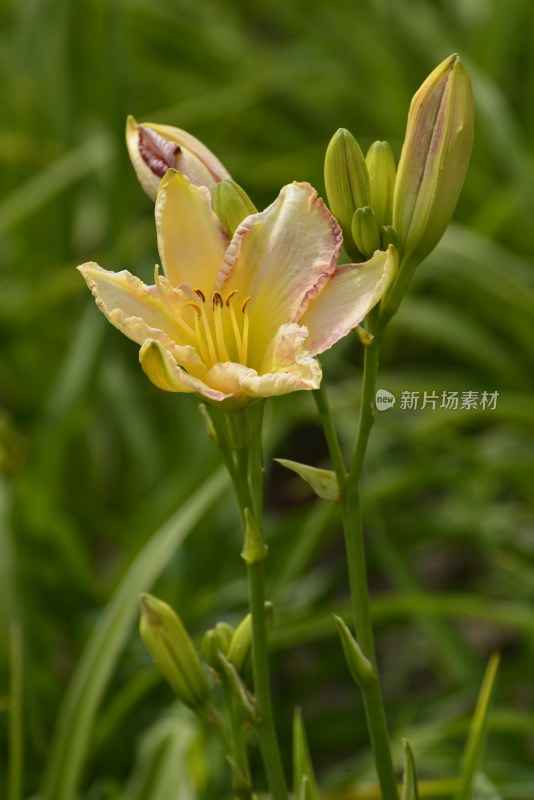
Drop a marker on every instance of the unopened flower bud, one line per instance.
(381, 169)
(232, 204)
(434, 159)
(388, 235)
(154, 149)
(216, 641)
(170, 646)
(346, 181)
(365, 231)
(241, 643)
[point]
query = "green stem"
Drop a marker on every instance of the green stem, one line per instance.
(334, 448)
(248, 483)
(355, 545)
(356, 560)
(241, 779)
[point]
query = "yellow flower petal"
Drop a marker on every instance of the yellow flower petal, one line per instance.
(280, 258)
(159, 365)
(144, 312)
(191, 240)
(347, 299)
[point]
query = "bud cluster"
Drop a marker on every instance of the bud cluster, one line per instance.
(410, 206)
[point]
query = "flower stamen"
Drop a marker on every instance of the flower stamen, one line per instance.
(219, 331)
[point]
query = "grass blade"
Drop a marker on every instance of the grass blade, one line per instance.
(476, 739)
(89, 682)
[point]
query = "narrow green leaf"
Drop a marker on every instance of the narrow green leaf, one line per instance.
(323, 481)
(90, 680)
(303, 774)
(472, 756)
(409, 782)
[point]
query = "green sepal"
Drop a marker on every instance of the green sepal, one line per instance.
(254, 548)
(359, 665)
(323, 481)
(409, 780)
(304, 779)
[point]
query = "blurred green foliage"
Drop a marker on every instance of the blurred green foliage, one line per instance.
(93, 458)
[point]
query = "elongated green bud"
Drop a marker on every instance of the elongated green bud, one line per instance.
(365, 231)
(232, 204)
(434, 159)
(381, 168)
(359, 665)
(346, 182)
(170, 646)
(154, 149)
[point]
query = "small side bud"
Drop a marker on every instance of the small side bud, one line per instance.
(434, 159)
(232, 204)
(359, 665)
(365, 231)
(154, 149)
(323, 481)
(388, 235)
(170, 646)
(346, 182)
(215, 641)
(238, 652)
(254, 548)
(381, 167)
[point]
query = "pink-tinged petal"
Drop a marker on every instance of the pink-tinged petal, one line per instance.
(347, 298)
(143, 312)
(281, 258)
(191, 240)
(160, 366)
(287, 365)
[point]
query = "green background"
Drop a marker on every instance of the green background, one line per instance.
(93, 458)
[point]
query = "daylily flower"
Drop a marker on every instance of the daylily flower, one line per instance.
(237, 319)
